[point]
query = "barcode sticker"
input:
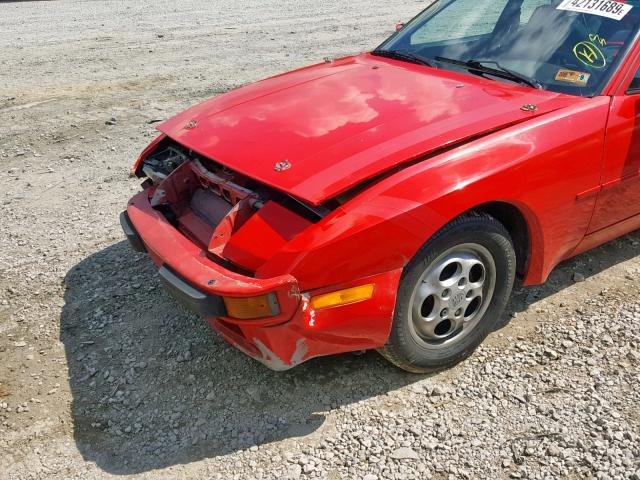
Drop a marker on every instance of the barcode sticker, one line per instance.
(603, 8)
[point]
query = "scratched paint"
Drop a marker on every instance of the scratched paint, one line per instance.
(272, 361)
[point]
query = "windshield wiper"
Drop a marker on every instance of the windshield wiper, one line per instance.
(499, 70)
(404, 56)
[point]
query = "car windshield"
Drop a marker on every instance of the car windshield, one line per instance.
(567, 46)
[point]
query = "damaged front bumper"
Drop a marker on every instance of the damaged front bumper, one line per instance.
(296, 332)
(199, 284)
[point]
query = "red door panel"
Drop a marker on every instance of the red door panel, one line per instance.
(620, 195)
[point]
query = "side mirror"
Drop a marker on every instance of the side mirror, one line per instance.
(399, 26)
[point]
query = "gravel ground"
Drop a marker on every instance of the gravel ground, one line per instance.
(103, 375)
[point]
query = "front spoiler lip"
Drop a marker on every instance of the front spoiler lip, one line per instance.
(132, 235)
(200, 303)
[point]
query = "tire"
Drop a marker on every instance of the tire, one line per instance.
(452, 294)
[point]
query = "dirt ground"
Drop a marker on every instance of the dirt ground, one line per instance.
(103, 375)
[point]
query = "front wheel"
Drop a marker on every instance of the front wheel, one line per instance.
(452, 294)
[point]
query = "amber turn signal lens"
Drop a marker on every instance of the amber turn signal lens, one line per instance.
(252, 307)
(342, 297)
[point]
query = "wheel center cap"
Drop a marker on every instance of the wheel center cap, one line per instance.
(457, 299)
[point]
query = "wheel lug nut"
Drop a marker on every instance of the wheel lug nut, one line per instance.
(458, 312)
(446, 293)
(444, 312)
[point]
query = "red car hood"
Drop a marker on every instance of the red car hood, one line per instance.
(340, 123)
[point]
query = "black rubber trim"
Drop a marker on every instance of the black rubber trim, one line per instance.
(198, 302)
(130, 231)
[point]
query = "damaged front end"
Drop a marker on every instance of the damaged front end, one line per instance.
(224, 246)
(221, 210)
(209, 230)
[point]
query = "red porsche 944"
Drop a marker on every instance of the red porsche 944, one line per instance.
(389, 200)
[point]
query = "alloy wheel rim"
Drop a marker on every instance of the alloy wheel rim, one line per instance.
(452, 296)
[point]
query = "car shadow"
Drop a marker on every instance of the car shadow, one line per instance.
(153, 386)
(575, 270)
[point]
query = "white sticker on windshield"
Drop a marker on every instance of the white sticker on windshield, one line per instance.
(603, 8)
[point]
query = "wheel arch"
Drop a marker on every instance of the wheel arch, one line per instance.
(525, 231)
(516, 224)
